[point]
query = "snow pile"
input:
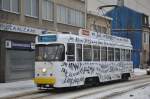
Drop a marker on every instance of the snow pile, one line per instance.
(139, 72)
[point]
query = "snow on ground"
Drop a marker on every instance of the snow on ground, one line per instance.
(118, 93)
(141, 93)
(139, 72)
(19, 87)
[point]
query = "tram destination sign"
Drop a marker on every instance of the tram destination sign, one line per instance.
(49, 38)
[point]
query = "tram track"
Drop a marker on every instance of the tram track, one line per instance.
(88, 92)
(115, 90)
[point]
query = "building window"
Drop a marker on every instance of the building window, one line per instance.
(31, 8)
(76, 18)
(146, 38)
(10, 5)
(62, 14)
(98, 28)
(72, 19)
(103, 30)
(145, 20)
(69, 16)
(79, 19)
(47, 9)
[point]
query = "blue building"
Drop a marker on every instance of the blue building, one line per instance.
(131, 24)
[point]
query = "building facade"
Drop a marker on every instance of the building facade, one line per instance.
(98, 23)
(135, 26)
(22, 20)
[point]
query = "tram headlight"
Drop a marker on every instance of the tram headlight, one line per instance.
(148, 69)
(44, 70)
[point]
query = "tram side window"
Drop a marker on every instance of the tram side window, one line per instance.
(117, 54)
(60, 56)
(87, 53)
(128, 55)
(103, 53)
(96, 53)
(79, 52)
(70, 52)
(122, 54)
(110, 54)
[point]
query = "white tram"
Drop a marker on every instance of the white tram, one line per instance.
(66, 60)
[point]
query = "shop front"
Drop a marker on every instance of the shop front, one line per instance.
(17, 50)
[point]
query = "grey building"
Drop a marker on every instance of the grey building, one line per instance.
(98, 23)
(22, 20)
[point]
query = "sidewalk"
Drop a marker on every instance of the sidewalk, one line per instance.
(139, 72)
(8, 90)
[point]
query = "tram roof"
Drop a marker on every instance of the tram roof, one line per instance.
(99, 39)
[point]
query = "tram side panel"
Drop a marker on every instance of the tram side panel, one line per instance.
(69, 74)
(76, 73)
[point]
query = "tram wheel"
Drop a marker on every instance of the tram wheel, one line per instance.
(125, 76)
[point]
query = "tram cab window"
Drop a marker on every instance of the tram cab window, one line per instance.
(87, 53)
(110, 54)
(70, 52)
(79, 52)
(51, 52)
(103, 53)
(96, 53)
(117, 54)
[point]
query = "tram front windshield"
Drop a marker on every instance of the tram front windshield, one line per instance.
(51, 52)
